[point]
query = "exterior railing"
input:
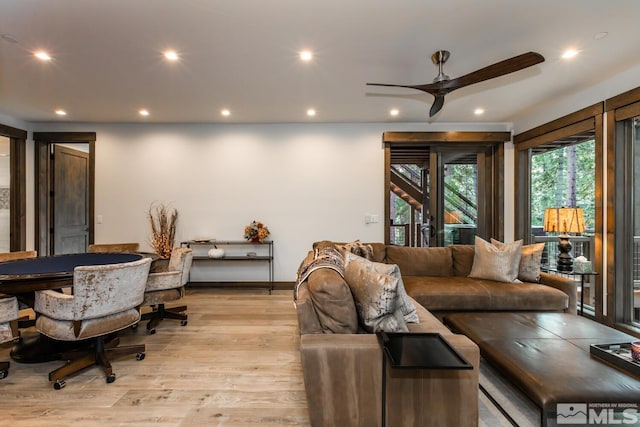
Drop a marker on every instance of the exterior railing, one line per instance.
(582, 246)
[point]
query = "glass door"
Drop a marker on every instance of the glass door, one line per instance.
(459, 205)
(441, 195)
(628, 293)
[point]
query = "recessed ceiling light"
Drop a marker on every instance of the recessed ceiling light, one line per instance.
(394, 112)
(225, 112)
(42, 55)
(569, 53)
(61, 112)
(171, 55)
(600, 35)
(306, 55)
(311, 112)
(144, 112)
(478, 111)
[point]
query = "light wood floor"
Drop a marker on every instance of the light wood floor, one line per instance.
(235, 363)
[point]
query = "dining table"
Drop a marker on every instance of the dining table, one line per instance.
(22, 278)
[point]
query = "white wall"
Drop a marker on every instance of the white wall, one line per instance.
(307, 182)
(562, 105)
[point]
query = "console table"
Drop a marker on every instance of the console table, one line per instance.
(261, 258)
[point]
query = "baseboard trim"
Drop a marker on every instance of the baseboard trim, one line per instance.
(276, 285)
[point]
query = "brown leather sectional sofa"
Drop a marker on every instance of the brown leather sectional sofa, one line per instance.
(342, 366)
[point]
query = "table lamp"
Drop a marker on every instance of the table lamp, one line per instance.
(564, 220)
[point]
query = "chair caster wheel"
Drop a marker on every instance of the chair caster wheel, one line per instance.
(111, 378)
(183, 323)
(4, 373)
(59, 384)
(151, 331)
(140, 356)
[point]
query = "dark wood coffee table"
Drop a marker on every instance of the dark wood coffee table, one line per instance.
(546, 355)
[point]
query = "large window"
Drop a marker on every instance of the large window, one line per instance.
(623, 190)
(559, 164)
(563, 174)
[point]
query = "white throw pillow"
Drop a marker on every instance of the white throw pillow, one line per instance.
(530, 259)
(493, 263)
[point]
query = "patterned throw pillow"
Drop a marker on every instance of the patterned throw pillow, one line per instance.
(493, 263)
(375, 297)
(403, 302)
(358, 248)
(529, 269)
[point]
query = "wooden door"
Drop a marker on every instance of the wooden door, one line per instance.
(70, 200)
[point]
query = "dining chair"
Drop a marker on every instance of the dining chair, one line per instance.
(8, 327)
(113, 247)
(106, 299)
(13, 256)
(166, 286)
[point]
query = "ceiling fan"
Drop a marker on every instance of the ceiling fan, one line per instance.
(442, 84)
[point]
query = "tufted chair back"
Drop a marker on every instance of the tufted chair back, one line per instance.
(106, 295)
(181, 260)
(8, 319)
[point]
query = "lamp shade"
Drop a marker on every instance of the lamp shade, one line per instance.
(564, 220)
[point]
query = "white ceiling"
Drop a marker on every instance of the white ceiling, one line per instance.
(242, 55)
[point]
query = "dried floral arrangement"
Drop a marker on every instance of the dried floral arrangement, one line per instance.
(256, 232)
(163, 229)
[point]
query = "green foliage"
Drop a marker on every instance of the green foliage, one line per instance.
(550, 186)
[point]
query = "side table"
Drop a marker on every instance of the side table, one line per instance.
(574, 273)
(406, 350)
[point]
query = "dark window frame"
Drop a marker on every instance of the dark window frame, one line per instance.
(619, 109)
(18, 203)
(586, 119)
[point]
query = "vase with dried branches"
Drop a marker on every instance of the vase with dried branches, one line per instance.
(163, 229)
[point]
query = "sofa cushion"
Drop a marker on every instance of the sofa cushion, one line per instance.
(447, 293)
(421, 261)
(468, 294)
(496, 263)
(462, 259)
(403, 301)
(375, 297)
(530, 262)
(333, 302)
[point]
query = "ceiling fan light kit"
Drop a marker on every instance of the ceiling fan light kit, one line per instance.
(442, 84)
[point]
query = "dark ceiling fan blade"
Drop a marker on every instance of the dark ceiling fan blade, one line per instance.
(429, 88)
(437, 105)
(498, 69)
(442, 86)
